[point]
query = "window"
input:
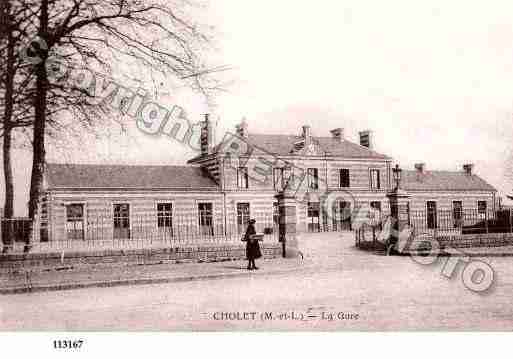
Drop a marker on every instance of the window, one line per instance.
(313, 216)
(242, 177)
(243, 215)
(431, 215)
(342, 216)
(344, 181)
(75, 221)
(164, 215)
(121, 220)
(375, 211)
(376, 205)
(287, 175)
(313, 209)
(75, 212)
(375, 182)
(313, 178)
(481, 207)
(457, 213)
(206, 221)
(121, 215)
(278, 178)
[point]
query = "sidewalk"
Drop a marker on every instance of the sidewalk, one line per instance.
(108, 276)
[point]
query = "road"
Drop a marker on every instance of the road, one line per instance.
(387, 293)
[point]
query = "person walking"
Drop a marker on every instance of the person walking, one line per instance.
(252, 246)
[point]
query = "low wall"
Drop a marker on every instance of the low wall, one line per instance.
(42, 261)
(476, 240)
(489, 240)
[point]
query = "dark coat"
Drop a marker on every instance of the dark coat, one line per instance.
(252, 245)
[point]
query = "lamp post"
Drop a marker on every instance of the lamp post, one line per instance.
(397, 173)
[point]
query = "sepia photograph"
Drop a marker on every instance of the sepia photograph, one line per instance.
(255, 166)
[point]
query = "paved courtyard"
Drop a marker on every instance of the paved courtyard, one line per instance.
(386, 293)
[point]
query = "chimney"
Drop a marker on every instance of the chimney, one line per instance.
(420, 167)
(206, 136)
(467, 168)
(242, 128)
(307, 136)
(366, 139)
(338, 134)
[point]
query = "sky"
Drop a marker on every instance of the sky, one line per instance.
(432, 80)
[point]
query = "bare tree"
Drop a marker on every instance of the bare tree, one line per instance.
(158, 35)
(14, 77)
(8, 81)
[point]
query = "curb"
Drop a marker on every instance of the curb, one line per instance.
(462, 254)
(139, 281)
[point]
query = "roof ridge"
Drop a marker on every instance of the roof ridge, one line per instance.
(127, 176)
(281, 144)
(118, 165)
(445, 171)
(444, 180)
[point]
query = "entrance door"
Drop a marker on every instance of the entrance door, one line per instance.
(342, 220)
(121, 221)
(206, 220)
(346, 220)
(431, 215)
(243, 215)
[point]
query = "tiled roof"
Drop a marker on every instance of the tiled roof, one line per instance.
(443, 181)
(283, 145)
(121, 176)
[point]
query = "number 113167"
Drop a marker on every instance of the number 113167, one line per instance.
(68, 344)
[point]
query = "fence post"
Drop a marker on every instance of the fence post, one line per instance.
(399, 213)
(35, 232)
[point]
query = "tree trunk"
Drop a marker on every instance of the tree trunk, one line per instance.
(9, 185)
(38, 142)
(7, 137)
(7, 128)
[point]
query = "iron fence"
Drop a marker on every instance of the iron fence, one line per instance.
(459, 222)
(446, 225)
(131, 232)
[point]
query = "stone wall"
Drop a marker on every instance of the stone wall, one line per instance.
(42, 261)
